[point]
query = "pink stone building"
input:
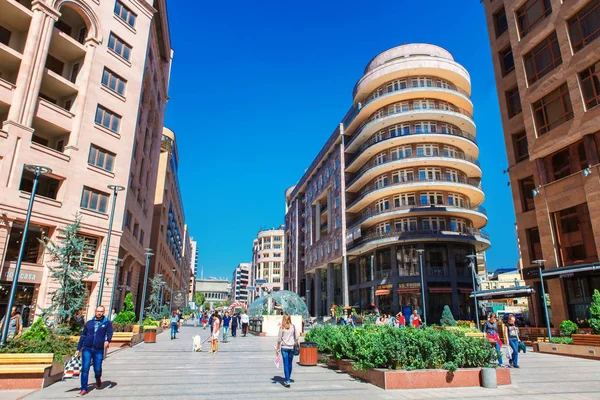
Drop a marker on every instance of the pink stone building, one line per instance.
(83, 88)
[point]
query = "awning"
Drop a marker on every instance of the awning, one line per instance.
(382, 292)
(568, 272)
(506, 293)
(465, 290)
(440, 290)
(409, 290)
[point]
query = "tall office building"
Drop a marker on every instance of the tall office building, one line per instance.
(194, 258)
(75, 92)
(240, 282)
(545, 55)
(267, 260)
(397, 183)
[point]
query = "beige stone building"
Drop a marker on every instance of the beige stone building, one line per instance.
(76, 96)
(545, 55)
(267, 259)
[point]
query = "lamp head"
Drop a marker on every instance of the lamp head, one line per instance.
(37, 169)
(116, 188)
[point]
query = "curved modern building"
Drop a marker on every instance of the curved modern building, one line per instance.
(397, 180)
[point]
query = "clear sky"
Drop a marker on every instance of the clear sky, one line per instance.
(258, 87)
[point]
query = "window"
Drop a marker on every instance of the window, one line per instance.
(113, 81)
(431, 198)
(431, 173)
(337, 202)
(530, 13)
(575, 236)
(338, 222)
(54, 65)
(520, 146)
(459, 225)
(125, 14)
(425, 127)
(382, 228)
(406, 199)
(534, 244)
(381, 181)
(590, 85)
(513, 102)
(433, 224)
(101, 158)
(382, 205)
(401, 152)
(381, 158)
(403, 175)
(4, 35)
(500, 22)
(47, 186)
(128, 217)
(457, 200)
(92, 199)
(552, 110)
(399, 130)
(117, 45)
(526, 186)
(452, 175)
(405, 224)
(542, 59)
(428, 150)
(451, 151)
(142, 237)
(584, 26)
(107, 119)
(33, 250)
(566, 161)
(507, 62)
(88, 257)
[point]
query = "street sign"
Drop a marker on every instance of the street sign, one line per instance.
(259, 282)
(251, 288)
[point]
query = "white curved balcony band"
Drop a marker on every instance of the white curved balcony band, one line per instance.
(471, 187)
(466, 164)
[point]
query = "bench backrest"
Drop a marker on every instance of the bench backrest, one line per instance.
(18, 358)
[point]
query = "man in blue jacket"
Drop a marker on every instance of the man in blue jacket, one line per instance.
(95, 337)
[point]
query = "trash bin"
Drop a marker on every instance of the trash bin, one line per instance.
(308, 353)
(149, 335)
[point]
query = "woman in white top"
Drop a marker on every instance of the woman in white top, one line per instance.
(214, 344)
(288, 336)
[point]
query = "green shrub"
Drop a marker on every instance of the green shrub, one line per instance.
(39, 339)
(447, 317)
(562, 340)
(119, 327)
(149, 322)
(127, 316)
(595, 311)
(568, 327)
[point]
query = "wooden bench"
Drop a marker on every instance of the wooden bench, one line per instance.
(586, 340)
(28, 371)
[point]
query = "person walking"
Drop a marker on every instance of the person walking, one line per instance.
(204, 320)
(401, 320)
(214, 346)
(234, 323)
(286, 339)
(15, 323)
(95, 337)
(490, 328)
(113, 315)
(415, 319)
(245, 320)
(173, 325)
(226, 323)
(511, 331)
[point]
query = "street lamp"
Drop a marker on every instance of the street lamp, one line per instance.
(149, 254)
(472, 258)
(535, 192)
(116, 189)
(540, 264)
(421, 251)
(162, 289)
(112, 294)
(172, 284)
(38, 171)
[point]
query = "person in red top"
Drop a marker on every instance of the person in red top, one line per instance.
(401, 320)
(415, 319)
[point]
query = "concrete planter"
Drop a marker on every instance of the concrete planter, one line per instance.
(29, 371)
(126, 339)
(571, 350)
(419, 379)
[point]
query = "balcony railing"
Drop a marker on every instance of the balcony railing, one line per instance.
(403, 235)
(374, 163)
(373, 211)
(439, 179)
(407, 108)
(411, 86)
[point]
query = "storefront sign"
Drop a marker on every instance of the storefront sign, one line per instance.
(409, 285)
(387, 286)
(179, 299)
(25, 275)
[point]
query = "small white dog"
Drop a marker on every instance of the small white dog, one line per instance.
(197, 346)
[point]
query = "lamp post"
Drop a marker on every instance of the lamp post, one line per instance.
(116, 189)
(149, 254)
(162, 289)
(540, 264)
(112, 294)
(535, 192)
(38, 171)
(472, 258)
(421, 251)
(172, 285)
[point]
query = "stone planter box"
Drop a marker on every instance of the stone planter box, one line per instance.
(126, 339)
(586, 340)
(571, 350)
(29, 371)
(419, 379)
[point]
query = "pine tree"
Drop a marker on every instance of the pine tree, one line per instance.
(153, 308)
(69, 271)
(595, 312)
(447, 317)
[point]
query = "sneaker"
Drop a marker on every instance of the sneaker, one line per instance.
(82, 393)
(516, 366)
(502, 366)
(286, 384)
(99, 383)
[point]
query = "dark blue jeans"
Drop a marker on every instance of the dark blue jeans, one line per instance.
(287, 356)
(514, 345)
(173, 329)
(499, 350)
(87, 357)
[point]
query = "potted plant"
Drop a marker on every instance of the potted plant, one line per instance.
(150, 329)
(592, 339)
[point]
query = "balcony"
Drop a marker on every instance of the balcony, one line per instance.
(467, 164)
(373, 215)
(15, 15)
(437, 111)
(54, 117)
(463, 140)
(471, 187)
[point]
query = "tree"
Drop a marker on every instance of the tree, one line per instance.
(447, 317)
(127, 315)
(68, 269)
(153, 309)
(595, 312)
(199, 299)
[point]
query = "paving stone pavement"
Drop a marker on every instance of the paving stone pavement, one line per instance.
(244, 369)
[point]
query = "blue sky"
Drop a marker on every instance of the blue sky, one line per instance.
(258, 87)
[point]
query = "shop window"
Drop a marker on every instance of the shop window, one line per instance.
(520, 146)
(33, 250)
(566, 161)
(47, 186)
(500, 22)
(534, 244)
(408, 260)
(513, 102)
(526, 187)
(531, 13)
(584, 26)
(90, 250)
(575, 236)
(552, 110)
(437, 260)
(507, 61)
(542, 59)
(590, 85)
